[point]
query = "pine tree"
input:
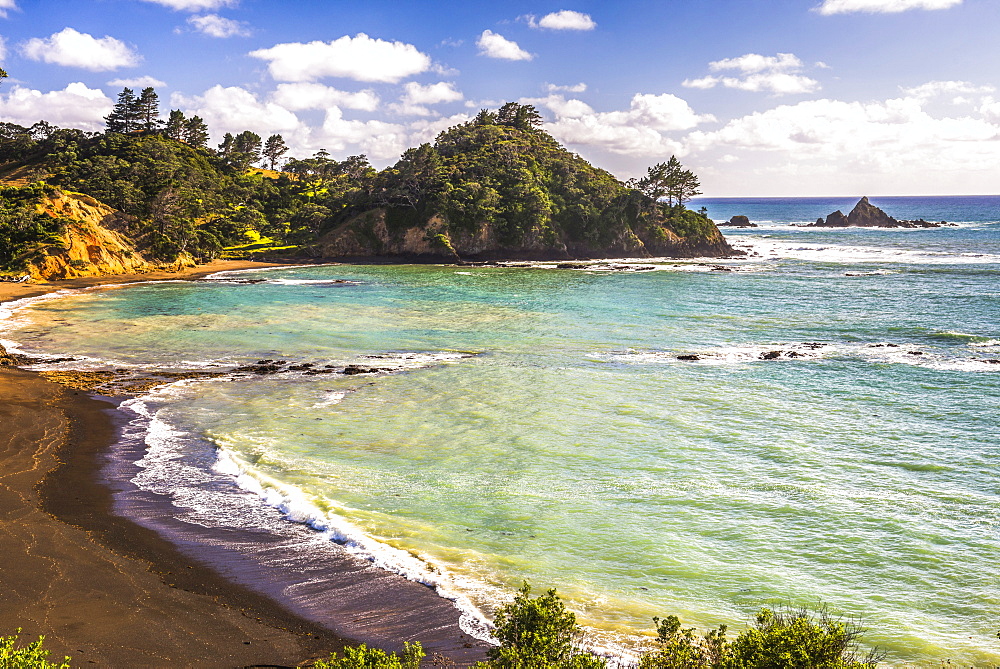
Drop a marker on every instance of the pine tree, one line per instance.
(124, 117)
(274, 148)
(148, 110)
(246, 147)
(174, 128)
(227, 147)
(196, 132)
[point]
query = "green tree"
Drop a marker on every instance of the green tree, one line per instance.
(147, 110)
(274, 148)
(195, 133)
(3, 74)
(174, 128)
(124, 117)
(671, 181)
(538, 632)
(522, 117)
(363, 657)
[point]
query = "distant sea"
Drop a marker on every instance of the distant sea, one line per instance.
(834, 441)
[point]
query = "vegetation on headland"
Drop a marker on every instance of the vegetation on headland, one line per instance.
(498, 184)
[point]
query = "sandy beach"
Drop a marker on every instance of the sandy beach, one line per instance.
(110, 592)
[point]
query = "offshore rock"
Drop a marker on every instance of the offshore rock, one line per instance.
(867, 215)
(739, 222)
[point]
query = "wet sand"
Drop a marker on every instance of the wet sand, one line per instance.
(112, 592)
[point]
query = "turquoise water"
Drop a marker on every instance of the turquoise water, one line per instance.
(537, 424)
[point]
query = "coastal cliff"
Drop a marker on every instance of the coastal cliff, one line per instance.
(88, 247)
(76, 236)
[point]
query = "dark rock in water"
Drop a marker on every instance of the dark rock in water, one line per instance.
(836, 220)
(914, 352)
(690, 357)
(794, 354)
(739, 222)
(867, 215)
(992, 361)
(770, 355)
(352, 370)
(19, 360)
(572, 265)
(813, 345)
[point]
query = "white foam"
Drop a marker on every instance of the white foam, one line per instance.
(296, 506)
(874, 353)
(849, 254)
(333, 398)
(163, 470)
(251, 270)
(311, 282)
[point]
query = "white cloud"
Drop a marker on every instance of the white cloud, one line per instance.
(76, 49)
(360, 58)
(575, 88)
(431, 94)
(233, 109)
(563, 20)
(301, 96)
(771, 74)
(639, 131)
(214, 25)
(76, 106)
(194, 5)
(754, 62)
(493, 45)
(882, 138)
(882, 6)
(6, 6)
(3, 49)
(934, 89)
(137, 82)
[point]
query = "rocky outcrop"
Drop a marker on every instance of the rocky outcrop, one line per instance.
(739, 222)
(372, 236)
(867, 215)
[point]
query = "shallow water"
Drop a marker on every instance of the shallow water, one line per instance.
(537, 423)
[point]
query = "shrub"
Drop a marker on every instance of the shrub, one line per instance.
(537, 632)
(363, 657)
(31, 656)
(798, 638)
(682, 648)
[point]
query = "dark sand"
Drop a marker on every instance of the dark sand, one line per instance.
(111, 592)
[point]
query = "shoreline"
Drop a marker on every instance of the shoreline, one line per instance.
(97, 583)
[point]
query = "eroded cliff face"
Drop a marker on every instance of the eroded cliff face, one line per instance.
(369, 235)
(89, 246)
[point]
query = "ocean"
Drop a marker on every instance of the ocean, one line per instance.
(830, 438)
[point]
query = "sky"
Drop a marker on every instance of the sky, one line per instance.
(758, 97)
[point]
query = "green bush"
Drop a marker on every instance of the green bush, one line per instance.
(31, 656)
(537, 632)
(795, 638)
(364, 657)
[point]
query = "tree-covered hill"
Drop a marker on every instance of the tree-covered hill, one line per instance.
(496, 187)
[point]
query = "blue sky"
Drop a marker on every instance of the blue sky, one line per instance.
(760, 98)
